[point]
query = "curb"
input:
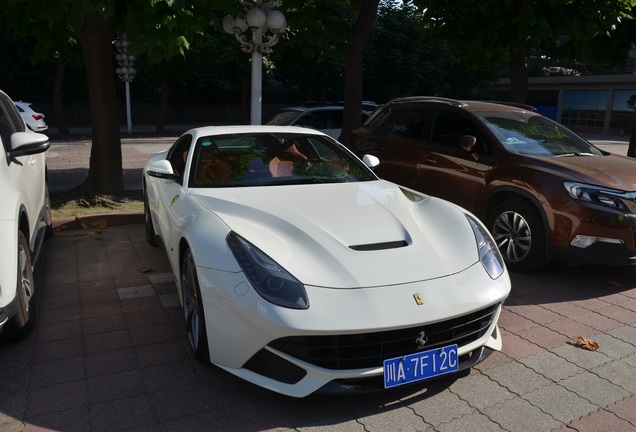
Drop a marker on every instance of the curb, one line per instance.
(96, 221)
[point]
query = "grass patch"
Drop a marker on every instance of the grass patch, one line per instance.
(83, 201)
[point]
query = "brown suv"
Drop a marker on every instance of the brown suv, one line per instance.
(544, 192)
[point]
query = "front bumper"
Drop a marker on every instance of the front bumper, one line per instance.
(616, 232)
(244, 331)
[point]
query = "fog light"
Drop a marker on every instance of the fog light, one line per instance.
(582, 241)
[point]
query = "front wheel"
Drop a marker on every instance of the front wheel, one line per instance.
(21, 324)
(518, 231)
(193, 309)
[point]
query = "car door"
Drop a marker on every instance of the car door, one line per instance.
(448, 171)
(169, 192)
(24, 176)
(397, 142)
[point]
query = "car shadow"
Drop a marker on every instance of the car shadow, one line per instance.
(560, 282)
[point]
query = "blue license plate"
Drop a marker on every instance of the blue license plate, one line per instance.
(420, 366)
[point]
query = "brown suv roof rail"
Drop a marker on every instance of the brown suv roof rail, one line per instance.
(448, 101)
(512, 104)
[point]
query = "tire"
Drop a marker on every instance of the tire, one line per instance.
(193, 309)
(519, 234)
(150, 228)
(21, 324)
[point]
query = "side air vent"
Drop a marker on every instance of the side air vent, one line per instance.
(380, 246)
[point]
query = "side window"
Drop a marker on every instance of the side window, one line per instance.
(179, 153)
(447, 128)
(5, 129)
(10, 121)
(408, 123)
(316, 120)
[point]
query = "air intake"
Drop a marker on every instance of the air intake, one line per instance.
(380, 246)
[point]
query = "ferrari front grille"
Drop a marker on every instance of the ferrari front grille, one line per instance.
(369, 350)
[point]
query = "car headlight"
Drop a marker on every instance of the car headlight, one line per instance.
(489, 255)
(616, 199)
(269, 279)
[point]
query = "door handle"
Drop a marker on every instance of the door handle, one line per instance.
(431, 160)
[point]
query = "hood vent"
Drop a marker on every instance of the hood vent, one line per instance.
(380, 246)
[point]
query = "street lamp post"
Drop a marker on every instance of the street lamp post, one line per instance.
(260, 19)
(126, 72)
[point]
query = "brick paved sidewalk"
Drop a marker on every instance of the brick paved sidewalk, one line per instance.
(110, 353)
(68, 160)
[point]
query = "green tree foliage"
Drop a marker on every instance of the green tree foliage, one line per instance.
(311, 54)
(484, 31)
(423, 65)
(163, 29)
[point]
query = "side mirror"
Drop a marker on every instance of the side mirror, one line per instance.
(371, 161)
(467, 143)
(27, 143)
(161, 169)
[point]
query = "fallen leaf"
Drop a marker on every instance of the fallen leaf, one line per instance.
(99, 224)
(144, 269)
(586, 343)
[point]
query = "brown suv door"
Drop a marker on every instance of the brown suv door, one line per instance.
(398, 143)
(448, 171)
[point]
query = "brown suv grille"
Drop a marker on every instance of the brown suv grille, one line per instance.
(368, 350)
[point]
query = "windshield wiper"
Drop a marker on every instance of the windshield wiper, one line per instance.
(575, 154)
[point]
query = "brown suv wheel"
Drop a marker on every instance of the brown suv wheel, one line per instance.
(518, 231)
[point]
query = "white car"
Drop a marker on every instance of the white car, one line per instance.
(25, 219)
(300, 271)
(325, 118)
(33, 119)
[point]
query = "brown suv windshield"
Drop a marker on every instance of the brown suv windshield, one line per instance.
(531, 134)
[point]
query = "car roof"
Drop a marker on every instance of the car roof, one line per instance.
(468, 105)
(236, 129)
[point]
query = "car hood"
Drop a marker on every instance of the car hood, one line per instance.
(612, 171)
(348, 234)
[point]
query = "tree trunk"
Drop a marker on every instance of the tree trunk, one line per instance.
(105, 173)
(163, 103)
(58, 104)
(352, 116)
(517, 58)
(518, 76)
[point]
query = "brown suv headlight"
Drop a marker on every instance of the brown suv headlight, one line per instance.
(612, 198)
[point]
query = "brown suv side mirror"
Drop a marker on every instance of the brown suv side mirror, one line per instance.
(467, 143)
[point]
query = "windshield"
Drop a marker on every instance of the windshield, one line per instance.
(265, 159)
(284, 118)
(532, 134)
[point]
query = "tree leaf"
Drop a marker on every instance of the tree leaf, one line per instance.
(585, 343)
